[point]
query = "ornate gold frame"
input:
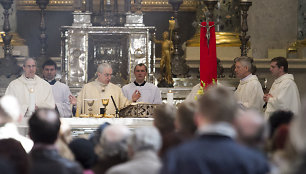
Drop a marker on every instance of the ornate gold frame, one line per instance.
(67, 5)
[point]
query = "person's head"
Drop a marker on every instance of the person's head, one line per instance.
(113, 142)
(185, 118)
(144, 138)
(44, 126)
(164, 117)
(49, 69)
(250, 127)
(243, 67)
(83, 151)
(278, 66)
(9, 109)
(165, 35)
(140, 72)
(278, 118)
(13, 151)
(217, 104)
(104, 72)
(95, 136)
(29, 67)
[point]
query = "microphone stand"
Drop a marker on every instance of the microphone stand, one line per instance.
(117, 111)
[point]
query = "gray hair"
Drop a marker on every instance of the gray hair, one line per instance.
(251, 127)
(245, 61)
(102, 66)
(114, 141)
(26, 59)
(145, 138)
(9, 109)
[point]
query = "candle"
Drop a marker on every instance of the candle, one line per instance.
(31, 108)
(170, 97)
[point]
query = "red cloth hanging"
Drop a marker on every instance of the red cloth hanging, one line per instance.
(208, 56)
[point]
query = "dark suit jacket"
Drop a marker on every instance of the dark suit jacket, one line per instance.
(45, 161)
(213, 154)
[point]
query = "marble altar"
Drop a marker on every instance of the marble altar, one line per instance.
(85, 126)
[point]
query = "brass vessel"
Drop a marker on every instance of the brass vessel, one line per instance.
(16, 40)
(223, 39)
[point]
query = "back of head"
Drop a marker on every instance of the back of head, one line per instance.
(113, 141)
(279, 118)
(9, 109)
(145, 138)
(218, 104)
(44, 126)
(250, 126)
(83, 151)
(185, 118)
(281, 61)
(164, 116)
(13, 151)
(95, 136)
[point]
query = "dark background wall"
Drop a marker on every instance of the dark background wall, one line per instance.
(28, 23)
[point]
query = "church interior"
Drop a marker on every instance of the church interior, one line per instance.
(275, 29)
(97, 46)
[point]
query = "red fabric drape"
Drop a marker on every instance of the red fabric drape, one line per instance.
(208, 56)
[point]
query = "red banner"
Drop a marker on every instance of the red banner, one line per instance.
(208, 55)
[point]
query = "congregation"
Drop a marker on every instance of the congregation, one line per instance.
(239, 132)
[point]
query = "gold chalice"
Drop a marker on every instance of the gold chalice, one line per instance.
(90, 103)
(105, 103)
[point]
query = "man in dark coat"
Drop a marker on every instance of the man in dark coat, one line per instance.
(214, 150)
(44, 127)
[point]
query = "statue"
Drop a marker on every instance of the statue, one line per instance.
(165, 79)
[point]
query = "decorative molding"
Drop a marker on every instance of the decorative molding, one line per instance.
(67, 5)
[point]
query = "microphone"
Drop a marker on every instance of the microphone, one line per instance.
(117, 111)
(265, 105)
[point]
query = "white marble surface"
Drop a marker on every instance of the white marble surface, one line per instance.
(83, 124)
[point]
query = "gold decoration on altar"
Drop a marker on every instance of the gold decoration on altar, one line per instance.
(16, 39)
(226, 39)
(147, 5)
(294, 46)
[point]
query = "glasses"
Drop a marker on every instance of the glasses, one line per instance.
(107, 75)
(30, 66)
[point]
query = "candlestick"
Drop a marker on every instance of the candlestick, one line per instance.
(170, 97)
(31, 108)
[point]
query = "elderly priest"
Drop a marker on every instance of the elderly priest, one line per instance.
(31, 91)
(100, 89)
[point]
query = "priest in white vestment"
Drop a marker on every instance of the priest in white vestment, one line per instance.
(249, 92)
(100, 89)
(61, 92)
(31, 91)
(284, 94)
(148, 93)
